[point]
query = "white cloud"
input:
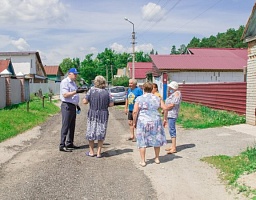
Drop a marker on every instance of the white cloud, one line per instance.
(146, 48)
(118, 47)
(31, 10)
(152, 12)
(20, 44)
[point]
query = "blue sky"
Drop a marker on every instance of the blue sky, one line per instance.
(61, 29)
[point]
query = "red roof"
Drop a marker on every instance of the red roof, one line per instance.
(52, 70)
(141, 69)
(204, 59)
(4, 64)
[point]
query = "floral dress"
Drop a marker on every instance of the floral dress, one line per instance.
(97, 118)
(150, 130)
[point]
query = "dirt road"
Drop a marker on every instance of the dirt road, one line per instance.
(33, 168)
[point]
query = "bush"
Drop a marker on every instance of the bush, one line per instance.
(121, 81)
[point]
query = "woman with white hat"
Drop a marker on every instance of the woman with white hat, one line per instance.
(170, 116)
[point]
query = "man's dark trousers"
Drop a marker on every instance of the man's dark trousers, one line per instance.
(68, 112)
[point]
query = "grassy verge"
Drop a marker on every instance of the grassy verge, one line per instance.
(196, 116)
(15, 119)
(233, 167)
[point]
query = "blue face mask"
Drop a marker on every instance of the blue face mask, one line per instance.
(171, 91)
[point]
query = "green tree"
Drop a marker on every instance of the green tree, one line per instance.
(88, 68)
(121, 81)
(194, 42)
(142, 57)
(173, 50)
(68, 63)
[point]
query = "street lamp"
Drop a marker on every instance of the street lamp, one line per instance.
(133, 47)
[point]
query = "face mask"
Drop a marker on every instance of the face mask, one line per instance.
(171, 91)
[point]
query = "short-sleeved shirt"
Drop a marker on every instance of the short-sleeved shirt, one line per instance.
(176, 100)
(132, 95)
(67, 85)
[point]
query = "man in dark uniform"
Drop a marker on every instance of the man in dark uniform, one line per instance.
(70, 99)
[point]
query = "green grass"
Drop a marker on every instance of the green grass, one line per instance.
(15, 119)
(233, 167)
(197, 116)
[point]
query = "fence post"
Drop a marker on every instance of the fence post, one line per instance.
(43, 100)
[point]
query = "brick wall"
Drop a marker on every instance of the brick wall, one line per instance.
(251, 84)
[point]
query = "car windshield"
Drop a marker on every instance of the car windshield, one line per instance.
(117, 90)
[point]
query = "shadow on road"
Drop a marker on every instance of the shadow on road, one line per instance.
(115, 152)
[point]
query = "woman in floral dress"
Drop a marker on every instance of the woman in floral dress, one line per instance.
(147, 120)
(99, 99)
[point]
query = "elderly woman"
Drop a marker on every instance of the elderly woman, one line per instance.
(97, 119)
(147, 120)
(173, 106)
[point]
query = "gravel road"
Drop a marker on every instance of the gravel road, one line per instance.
(31, 166)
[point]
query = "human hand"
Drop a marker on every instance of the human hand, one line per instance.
(80, 90)
(165, 123)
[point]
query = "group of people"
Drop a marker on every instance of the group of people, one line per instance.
(144, 108)
(145, 114)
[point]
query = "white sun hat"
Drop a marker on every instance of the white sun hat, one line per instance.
(174, 85)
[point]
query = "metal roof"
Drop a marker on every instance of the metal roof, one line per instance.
(53, 70)
(203, 59)
(141, 69)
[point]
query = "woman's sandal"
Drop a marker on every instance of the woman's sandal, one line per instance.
(142, 164)
(171, 152)
(88, 154)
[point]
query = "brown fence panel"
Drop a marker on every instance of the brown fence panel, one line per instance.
(223, 96)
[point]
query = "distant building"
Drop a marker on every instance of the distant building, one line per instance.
(28, 63)
(141, 71)
(200, 65)
(54, 73)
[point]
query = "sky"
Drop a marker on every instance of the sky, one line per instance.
(60, 29)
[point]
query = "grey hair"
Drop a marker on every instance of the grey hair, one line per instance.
(100, 82)
(134, 81)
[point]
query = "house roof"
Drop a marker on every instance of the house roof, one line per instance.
(141, 69)
(250, 28)
(4, 64)
(53, 70)
(22, 53)
(203, 59)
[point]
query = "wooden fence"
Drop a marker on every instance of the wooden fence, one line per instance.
(223, 96)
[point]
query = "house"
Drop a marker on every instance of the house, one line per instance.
(200, 65)
(140, 71)
(28, 63)
(6, 67)
(54, 73)
(249, 36)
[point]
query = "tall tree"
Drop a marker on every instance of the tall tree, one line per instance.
(68, 63)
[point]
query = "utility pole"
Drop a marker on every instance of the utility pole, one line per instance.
(133, 48)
